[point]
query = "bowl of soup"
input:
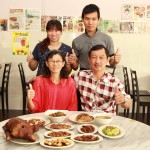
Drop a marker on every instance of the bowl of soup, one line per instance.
(101, 119)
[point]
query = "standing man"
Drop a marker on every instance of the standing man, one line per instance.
(83, 43)
(99, 90)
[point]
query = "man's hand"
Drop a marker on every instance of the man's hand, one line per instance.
(30, 57)
(72, 57)
(119, 97)
(31, 92)
(117, 56)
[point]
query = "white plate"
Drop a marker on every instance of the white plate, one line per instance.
(86, 142)
(54, 147)
(80, 126)
(49, 128)
(112, 137)
(73, 118)
(47, 121)
(39, 137)
(48, 112)
(46, 134)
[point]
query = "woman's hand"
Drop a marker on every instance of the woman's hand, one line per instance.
(31, 92)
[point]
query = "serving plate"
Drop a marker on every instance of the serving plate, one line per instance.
(122, 132)
(86, 142)
(73, 119)
(56, 147)
(39, 119)
(59, 132)
(59, 127)
(39, 137)
(80, 126)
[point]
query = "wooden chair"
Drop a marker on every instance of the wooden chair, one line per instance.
(4, 87)
(127, 88)
(110, 69)
(24, 86)
(143, 101)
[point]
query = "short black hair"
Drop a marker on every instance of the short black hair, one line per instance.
(52, 24)
(98, 47)
(90, 9)
(45, 70)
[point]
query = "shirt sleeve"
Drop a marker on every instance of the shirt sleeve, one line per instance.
(73, 105)
(110, 46)
(36, 52)
(75, 48)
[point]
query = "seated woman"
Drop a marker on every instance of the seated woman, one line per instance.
(53, 89)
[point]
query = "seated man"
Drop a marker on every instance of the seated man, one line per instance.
(99, 90)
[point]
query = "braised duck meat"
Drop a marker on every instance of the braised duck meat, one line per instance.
(19, 128)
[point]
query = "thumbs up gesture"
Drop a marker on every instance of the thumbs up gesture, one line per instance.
(117, 56)
(72, 57)
(67, 58)
(31, 92)
(30, 57)
(119, 97)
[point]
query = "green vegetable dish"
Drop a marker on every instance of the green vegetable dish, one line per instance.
(111, 131)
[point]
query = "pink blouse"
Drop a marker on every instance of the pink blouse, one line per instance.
(48, 95)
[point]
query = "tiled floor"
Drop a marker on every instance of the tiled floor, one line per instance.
(15, 113)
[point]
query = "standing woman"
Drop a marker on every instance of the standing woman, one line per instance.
(38, 56)
(53, 89)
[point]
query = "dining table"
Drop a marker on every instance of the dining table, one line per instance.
(136, 135)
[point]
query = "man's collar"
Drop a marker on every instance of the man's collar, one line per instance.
(103, 78)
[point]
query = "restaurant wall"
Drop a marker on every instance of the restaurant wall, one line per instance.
(134, 48)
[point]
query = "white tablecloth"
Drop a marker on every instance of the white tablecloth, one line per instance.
(137, 137)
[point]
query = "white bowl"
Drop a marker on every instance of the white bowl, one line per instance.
(57, 119)
(103, 119)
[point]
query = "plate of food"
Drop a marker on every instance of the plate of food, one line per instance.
(39, 137)
(111, 131)
(57, 143)
(56, 115)
(59, 126)
(81, 118)
(37, 120)
(87, 128)
(86, 138)
(58, 134)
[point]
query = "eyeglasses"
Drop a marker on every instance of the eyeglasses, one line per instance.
(57, 61)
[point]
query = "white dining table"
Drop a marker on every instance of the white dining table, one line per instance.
(137, 136)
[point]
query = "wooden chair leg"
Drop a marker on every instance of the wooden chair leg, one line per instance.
(24, 103)
(7, 107)
(143, 114)
(3, 109)
(133, 107)
(137, 112)
(148, 114)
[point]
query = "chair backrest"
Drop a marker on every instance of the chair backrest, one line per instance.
(5, 80)
(126, 80)
(110, 69)
(135, 86)
(22, 76)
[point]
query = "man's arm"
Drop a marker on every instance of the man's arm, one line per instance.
(115, 59)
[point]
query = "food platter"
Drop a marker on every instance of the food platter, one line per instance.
(58, 134)
(86, 128)
(56, 147)
(98, 138)
(122, 132)
(73, 119)
(37, 120)
(59, 126)
(39, 137)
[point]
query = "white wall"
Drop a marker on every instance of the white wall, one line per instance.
(135, 48)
